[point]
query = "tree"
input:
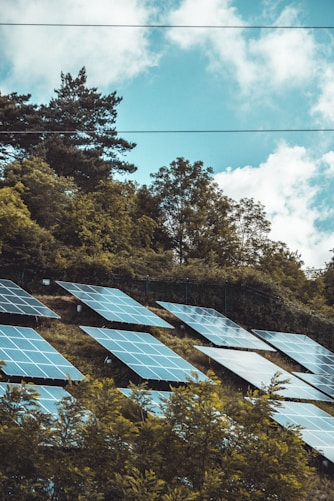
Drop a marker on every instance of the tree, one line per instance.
(45, 194)
(252, 229)
(227, 449)
(205, 445)
(329, 282)
(85, 146)
(23, 438)
(23, 243)
(192, 210)
(17, 116)
(74, 134)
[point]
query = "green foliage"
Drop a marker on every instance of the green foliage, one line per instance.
(329, 283)
(75, 132)
(252, 229)
(192, 210)
(45, 194)
(87, 147)
(23, 243)
(17, 114)
(195, 451)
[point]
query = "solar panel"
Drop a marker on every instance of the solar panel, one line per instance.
(259, 371)
(15, 300)
(145, 355)
(318, 425)
(48, 399)
(302, 349)
(27, 355)
(155, 399)
(215, 327)
(324, 382)
(114, 305)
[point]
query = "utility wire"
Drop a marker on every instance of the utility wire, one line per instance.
(192, 26)
(166, 131)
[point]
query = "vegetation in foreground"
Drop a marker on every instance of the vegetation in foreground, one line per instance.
(204, 446)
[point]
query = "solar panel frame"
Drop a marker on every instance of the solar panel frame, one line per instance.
(145, 355)
(114, 305)
(215, 327)
(302, 349)
(48, 399)
(17, 301)
(317, 425)
(28, 355)
(258, 371)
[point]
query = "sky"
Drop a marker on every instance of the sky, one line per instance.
(259, 92)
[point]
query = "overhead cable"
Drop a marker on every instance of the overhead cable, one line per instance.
(155, 26)
(165, 131)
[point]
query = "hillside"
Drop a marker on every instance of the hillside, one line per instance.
(89, 357)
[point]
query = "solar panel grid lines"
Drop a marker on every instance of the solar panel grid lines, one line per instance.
(215, 327)
(258, 371)
(48, 396)
(28, 355)
(15, 300)
(302, 349)
(145, 355)
(317, 425)
(323, 382)
(114, 305)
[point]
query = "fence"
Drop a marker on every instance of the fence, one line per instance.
(249, 307)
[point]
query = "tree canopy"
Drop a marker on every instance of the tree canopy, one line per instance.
(107, 447)
(63, 208)
(75, 133)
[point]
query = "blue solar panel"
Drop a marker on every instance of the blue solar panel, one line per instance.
(324, 382)
(302, 349)
(215, 327)
(155, 398)
(15, 300)
(259, 371)
(145, 355)
(317, 425)
(114, 305)
(27, 355)
(48, 396)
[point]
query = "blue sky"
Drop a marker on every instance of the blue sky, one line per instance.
(203, 79)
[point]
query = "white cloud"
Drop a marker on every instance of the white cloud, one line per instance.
(324, 106)
(259, 60)
(328, 159)
(284, 184)
(37, 55)
(287, 57)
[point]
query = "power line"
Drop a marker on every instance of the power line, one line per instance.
(166, 131)
(157, 26)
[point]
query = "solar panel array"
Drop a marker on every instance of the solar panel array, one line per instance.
(259, 371)
(27, 355)
(48, 399)
(155, 398)
(318, 425)
(145, 355)
(114, 305)
(302, 349)
(215, 327)
(15, 300)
